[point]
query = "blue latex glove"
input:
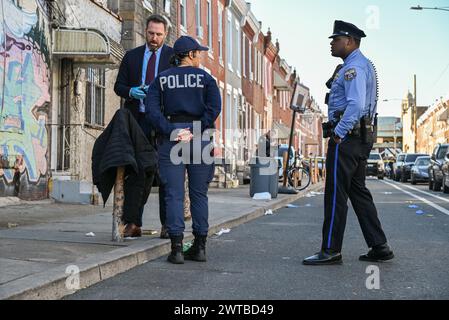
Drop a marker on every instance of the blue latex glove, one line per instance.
(145, 89)
(137, 93)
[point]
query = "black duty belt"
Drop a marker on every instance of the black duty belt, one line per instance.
(182, 118)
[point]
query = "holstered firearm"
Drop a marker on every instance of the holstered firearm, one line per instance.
(329, 127)
(368, 130)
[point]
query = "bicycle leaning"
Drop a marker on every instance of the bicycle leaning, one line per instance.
(298, 174)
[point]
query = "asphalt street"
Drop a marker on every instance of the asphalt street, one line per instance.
(262, 259)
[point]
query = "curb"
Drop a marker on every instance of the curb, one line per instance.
(51, 284)
(14, 201)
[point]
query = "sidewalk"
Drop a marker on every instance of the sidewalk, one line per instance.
(34, 257)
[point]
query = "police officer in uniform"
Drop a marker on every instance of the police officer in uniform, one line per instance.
(178, 99)
(352, 113)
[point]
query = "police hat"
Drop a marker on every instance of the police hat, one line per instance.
(186, 44)
(347, 29)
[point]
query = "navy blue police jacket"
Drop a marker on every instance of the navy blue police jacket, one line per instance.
(183, 91)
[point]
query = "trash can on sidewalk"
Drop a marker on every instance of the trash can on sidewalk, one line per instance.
(264, 176)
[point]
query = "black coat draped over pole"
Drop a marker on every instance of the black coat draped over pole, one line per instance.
(123, 144)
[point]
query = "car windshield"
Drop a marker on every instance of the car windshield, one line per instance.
(412, 157)
(401, 158)
(423, 162)
(442, 152)
(375, 156)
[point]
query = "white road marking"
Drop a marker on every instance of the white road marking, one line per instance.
(428, 193)
(441, 209)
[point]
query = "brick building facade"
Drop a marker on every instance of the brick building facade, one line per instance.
(251, 31)
(433, 127)
(74, 102)
(134, 14)
(209, 30)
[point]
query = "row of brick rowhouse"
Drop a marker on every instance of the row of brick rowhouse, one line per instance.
(424, 127)
(58, 67)
(433, 126)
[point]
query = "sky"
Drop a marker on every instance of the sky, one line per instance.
(400, 42)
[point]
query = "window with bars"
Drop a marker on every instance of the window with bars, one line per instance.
(95, 96)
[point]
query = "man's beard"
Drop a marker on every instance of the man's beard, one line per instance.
(154, 46)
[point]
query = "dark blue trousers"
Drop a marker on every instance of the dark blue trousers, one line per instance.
(172, 175)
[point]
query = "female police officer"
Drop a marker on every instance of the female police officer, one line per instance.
(178, 99)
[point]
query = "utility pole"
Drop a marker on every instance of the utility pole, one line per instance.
(415, 114)
(118, 229)
(394, 137)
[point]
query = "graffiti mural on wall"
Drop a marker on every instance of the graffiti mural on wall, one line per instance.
(24, 98)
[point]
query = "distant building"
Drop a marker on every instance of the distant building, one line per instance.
(251, 31)
(389, 135)
(409, 118)
(310, 130)
(433, 126)
(205, 21)
(283, 90)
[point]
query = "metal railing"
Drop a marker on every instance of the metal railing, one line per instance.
(317, 167)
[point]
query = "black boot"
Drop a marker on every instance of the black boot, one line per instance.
(176, 256)
(198, 250)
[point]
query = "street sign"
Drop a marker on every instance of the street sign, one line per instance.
(300, 98)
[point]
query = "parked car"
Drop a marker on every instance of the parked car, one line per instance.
(420, 170)
(445, 169)
(435, 167)
(397, 166)
(406, 168)
(375, 166)
(389, 170)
